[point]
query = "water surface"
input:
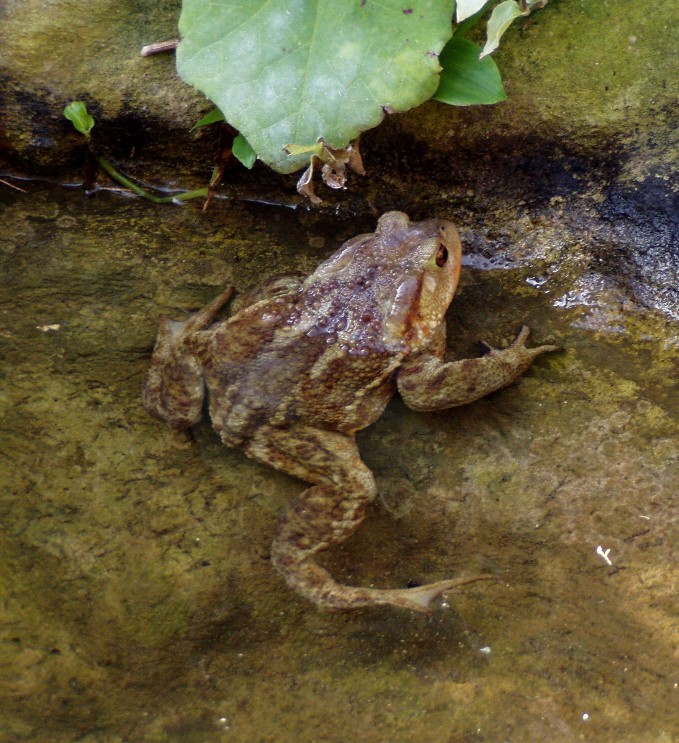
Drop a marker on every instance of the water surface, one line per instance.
(138, 602)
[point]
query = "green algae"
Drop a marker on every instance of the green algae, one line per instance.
(578, 70)
(608, 53)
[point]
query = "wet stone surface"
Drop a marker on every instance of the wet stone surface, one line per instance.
(138, 600)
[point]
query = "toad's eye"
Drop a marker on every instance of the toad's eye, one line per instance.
(441, 256)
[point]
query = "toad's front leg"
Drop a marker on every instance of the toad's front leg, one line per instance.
(174, 387)
(328, 513)
(426, 382)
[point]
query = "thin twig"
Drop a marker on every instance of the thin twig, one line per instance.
(11, 185)
(159, 47)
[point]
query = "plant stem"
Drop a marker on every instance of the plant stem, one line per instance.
(125, 181)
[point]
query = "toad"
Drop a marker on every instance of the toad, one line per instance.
(303, 365)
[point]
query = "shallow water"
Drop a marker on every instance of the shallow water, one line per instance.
(138, 601)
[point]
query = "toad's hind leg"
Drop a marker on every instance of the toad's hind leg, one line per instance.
(174, 387)
(328, 513)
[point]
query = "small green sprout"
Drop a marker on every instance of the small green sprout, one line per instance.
(76, 112)
(78, 115)
(243, 152)
(241, 148)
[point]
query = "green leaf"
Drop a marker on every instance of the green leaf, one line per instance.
(467, 80)
(76, 113)
(466, 8)
(243, 152)
(500, 20)
(469, 23)
(294, 72)
(210, 118)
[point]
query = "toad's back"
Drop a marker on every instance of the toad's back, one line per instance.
(285, 360)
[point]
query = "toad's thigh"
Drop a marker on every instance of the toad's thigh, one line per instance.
(315, 456)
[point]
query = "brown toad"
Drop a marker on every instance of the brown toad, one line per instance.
(294, 374)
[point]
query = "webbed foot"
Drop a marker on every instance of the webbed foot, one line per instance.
(420, 598)
(175, 389)
(518, 349)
